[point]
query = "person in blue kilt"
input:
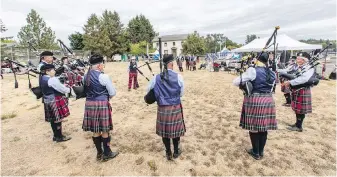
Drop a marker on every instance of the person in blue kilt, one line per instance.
(258, 113)
(301, 98)
(55, 101)
(168, 87)
(97, 114)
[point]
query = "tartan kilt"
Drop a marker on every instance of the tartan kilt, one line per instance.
(97, 116)
(170, 121)
(301, 101)
(57, 109)
(258, 113)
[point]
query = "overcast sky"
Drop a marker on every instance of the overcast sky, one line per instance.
(300, 19)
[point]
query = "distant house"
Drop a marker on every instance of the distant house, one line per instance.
(171, 44)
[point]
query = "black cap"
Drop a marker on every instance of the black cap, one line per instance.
(63, 58)
(47, 53)
(304, 54)
(47, 66)
(168, 58)
(264, 57)
(96, 59)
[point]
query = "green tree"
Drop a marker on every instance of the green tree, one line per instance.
(37, 31)
(212, 42)
(140, 29)
(76, 41)
(194, 44)
(105, 34)
(250, 38)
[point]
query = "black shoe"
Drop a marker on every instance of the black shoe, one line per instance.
(54, 138)
(255, 156)
(169, 155)
(176, 154)
(295, 129)
(99, 156)
(62, 139)
(110, 156)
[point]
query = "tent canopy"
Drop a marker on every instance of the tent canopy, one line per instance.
(284, 43)
(224, 50)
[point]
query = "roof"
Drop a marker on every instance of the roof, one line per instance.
(174, 37)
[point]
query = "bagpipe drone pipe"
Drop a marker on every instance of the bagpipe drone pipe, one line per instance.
(247, 86)
(314, 80)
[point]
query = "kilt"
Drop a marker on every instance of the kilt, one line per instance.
(56, 109)
(301, 101)
(258, 112)
(97, 116)
(170, 121)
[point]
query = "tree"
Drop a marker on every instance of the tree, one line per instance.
(76, 41)
(38, 32)
(140, 29)
(212, 42)
(140, 48)
(250, 38)
(105, 34)
(194, 44)
(323, 42)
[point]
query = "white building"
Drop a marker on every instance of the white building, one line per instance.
(170, 44)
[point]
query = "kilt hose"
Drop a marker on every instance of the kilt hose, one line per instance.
(56, 109)
(97, 116)
(133, 76)
(170, 121)
(301, 101)
(258, 113)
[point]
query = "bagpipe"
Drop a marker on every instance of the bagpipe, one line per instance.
(247, 87)
(314, 80)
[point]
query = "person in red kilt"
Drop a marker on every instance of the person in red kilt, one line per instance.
(301, 98)
(133, 72)
(97, 113)
(258, 113)
(55, 102)
(170, 119)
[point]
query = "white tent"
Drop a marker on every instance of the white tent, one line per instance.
(224, 50)
(284, 43)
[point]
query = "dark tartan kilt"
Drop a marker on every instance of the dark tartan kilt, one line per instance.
(97, 116)
(301, 101)
(170, 121)
(258, 113)
(57, 109)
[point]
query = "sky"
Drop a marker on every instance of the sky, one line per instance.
(299, 19)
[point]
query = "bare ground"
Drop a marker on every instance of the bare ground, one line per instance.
(213, 145)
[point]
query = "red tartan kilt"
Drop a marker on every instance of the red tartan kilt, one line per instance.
(258, 113)
(170, 121)
(57, 109)
(301, 101)
(97, 116)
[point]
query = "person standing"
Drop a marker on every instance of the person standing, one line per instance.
(258, 113)
(55, 102)
(170, 119)
(301, 98)
(97, 114)
(133, 72)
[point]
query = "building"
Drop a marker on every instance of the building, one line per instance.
(171, 44)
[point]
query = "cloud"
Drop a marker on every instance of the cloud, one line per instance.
(300, 19)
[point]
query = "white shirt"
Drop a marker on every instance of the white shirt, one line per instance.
(55, 83)
(303, 78)
(249, 75)
(180, 82)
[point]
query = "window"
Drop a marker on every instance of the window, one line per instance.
(174, 43)
(165, 51)
(165, 44)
